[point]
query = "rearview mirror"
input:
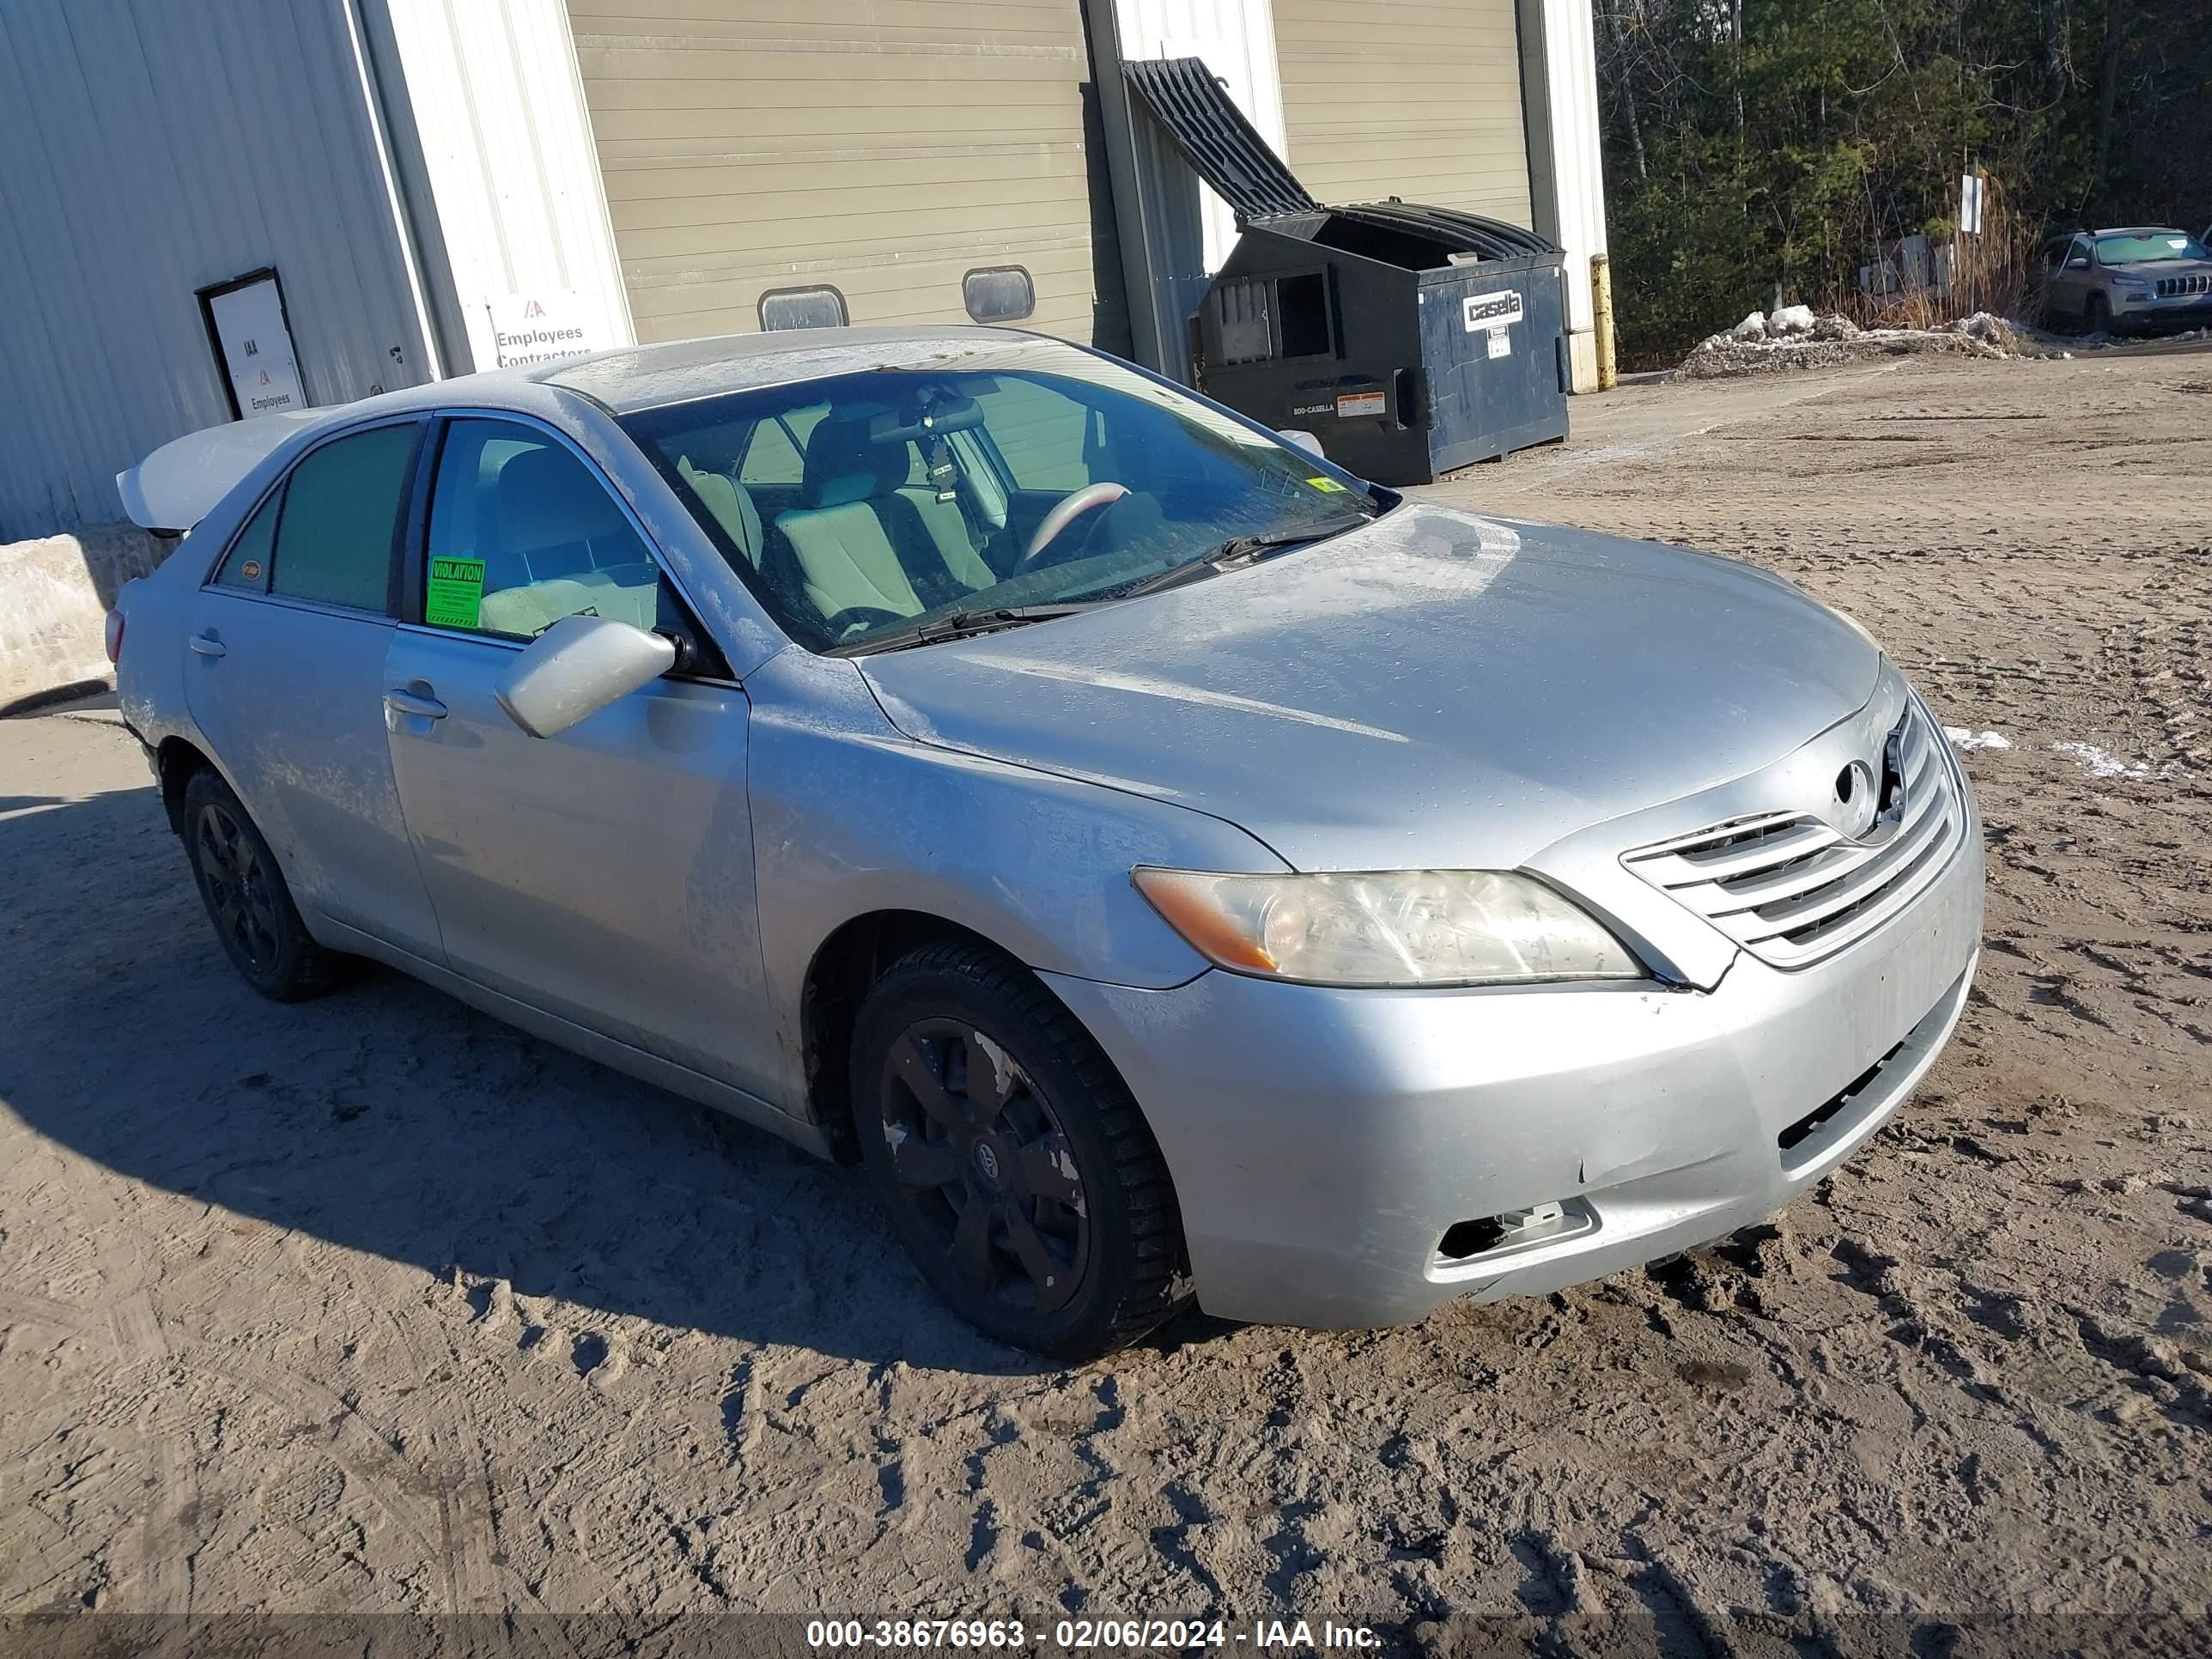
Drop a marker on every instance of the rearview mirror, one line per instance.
(1304, 441)
(577, 667)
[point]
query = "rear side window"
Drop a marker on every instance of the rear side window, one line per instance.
(341, 508)
(247, 564)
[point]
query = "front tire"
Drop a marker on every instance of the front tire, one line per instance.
(2097, 316)
(1010, 1158)
(247, 898)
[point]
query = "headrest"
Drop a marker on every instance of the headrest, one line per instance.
(546, 499)
(843, 465)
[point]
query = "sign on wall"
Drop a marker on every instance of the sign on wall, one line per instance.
(253, 341)
(544, 326)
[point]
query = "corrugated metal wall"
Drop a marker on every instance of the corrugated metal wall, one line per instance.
(882, 146)
(1417, 99)
(152, 148)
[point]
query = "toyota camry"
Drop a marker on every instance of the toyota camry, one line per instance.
(1169, 867)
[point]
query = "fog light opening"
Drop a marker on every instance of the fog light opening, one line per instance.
(1464, 1240)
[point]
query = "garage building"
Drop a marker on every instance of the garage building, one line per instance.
(223, 207)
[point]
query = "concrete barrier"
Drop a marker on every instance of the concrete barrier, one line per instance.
(55, 593)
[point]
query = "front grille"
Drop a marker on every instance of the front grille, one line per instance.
(2168, 286)
(1790, 888)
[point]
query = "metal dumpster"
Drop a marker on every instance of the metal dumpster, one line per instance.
(1409, 340)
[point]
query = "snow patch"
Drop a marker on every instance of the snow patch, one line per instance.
(2103, 763)
(1962, 738)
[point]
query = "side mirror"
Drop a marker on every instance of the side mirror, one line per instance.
(1304, 441)
(2079, 262)
(577, 667)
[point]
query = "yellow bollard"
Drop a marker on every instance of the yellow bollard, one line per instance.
(1601, 319)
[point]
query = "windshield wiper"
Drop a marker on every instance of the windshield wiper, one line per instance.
(1247, 549)
(963, 623)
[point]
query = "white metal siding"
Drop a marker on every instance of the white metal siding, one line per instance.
(152, 149)
(497, 146)
(882, 147)
(1416, 98)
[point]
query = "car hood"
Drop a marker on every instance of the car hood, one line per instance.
(1432, 689)
(2149, 270)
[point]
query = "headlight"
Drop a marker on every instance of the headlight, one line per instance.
(1387, 927)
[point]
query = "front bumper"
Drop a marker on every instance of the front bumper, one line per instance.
(2153, 315)
(1323, 1141)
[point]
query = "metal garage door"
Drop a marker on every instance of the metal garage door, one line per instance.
(885, 149)
(1420, 101)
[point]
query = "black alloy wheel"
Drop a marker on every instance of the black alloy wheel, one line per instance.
(1012, 1161)
(247, 900)
(984, 1167)
(240, 898)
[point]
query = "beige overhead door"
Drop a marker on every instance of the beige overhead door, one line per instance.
(885, 149)
(1394, 98)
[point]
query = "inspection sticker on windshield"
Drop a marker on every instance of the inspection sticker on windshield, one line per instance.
(1493, 311)
(456, 593)
(1329, 486)
(1351, 404)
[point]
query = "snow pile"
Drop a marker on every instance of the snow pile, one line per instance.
(2103, 763)
(1964, 738)
(1797, 337)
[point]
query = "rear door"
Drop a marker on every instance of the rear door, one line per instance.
(286, 681)
(603, 874)
(2072, 278)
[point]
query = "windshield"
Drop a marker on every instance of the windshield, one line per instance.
(2141, 250)
(863, 507)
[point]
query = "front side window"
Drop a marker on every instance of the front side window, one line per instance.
(340, 511)
(1032, 475)
(523, 533)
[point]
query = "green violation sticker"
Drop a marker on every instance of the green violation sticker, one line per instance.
(456, 591)
(1329, 486)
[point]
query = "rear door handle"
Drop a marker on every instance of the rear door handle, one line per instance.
(208, 646)
(400, 701)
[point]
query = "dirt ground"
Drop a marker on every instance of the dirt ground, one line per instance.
(374, 1304)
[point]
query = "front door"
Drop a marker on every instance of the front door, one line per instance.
(604, 874)
(285, 679)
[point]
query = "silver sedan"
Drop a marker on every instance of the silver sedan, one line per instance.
(1171, 867)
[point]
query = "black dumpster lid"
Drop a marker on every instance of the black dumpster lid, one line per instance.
(1221, 146)
(1473, 233)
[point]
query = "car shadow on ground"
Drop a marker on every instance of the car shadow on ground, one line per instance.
(387, 1118)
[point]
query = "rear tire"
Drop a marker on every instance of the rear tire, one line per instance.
(1010, 1158)
(248, 901)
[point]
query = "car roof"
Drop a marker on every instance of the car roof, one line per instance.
(175, 485)
(681, 371)
(2140, 230)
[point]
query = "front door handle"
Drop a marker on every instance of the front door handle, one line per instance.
(401, 700)
(208, 646)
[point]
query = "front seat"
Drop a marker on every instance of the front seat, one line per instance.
(730, 503)
(862, 541)
(555, 520)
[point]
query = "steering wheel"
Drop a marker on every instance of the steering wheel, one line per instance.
(853, 615)
(1069, 510)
